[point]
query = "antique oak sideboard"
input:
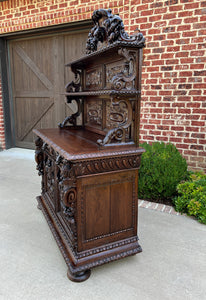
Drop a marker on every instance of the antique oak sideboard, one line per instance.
(89, 165)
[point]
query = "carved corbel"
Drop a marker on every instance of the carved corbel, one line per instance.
(73, 118)
(71, 87)
(74, 85)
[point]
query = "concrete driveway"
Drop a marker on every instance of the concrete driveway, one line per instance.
(171, 266)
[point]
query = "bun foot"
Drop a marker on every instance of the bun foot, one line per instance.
(79, 277)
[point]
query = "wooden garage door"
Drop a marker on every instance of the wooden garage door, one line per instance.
(38, 76)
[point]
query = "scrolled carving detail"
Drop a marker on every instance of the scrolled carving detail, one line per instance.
(73, 118)
(126, 78)
(39, 156)
(74, 86)
(69, 197)
(119, 119)
(115, 133)
(67, 189)
(69, 208)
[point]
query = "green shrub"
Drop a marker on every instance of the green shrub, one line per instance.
(162, 169)
(191, 197)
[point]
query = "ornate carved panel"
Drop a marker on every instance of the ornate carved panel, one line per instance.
(111, 70)
(68, 195)
(39, 155)
(121, 75)
(93, 79)
(94, 113)
(116, 114)
(49, 170)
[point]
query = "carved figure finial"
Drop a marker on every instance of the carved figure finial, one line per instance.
(109, 28)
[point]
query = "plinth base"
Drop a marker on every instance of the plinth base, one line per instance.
(78, 270)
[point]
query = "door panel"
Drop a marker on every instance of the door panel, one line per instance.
(38, 76)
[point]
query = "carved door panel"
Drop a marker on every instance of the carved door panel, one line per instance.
(38, 77)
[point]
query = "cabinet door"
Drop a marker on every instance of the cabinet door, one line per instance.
(106, 208)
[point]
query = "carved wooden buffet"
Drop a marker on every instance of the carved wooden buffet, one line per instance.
(89, 165)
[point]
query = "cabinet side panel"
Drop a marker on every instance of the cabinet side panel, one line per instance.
(106, 208)
(97, 209)
(121, 206)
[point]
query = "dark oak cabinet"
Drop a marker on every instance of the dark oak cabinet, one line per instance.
(89, 165)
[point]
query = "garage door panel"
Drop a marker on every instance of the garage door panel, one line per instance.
(44, 122)
(29, 112)
(31, 76)
(40, 51)
(39, 76)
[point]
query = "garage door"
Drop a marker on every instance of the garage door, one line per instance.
(38, 77)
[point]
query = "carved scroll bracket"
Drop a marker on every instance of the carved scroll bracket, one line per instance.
(74, 85)
(73, 118)
(71, 87)
(115, 133)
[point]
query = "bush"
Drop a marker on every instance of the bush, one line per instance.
(192, 197)
(162, 169)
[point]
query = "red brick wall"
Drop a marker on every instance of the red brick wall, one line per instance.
(174, 76)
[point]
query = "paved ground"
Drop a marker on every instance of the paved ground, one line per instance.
(171, 266)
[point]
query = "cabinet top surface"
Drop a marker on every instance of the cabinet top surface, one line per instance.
(81, 144)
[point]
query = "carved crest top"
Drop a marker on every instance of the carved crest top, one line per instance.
(109, 29)
(106, 35)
